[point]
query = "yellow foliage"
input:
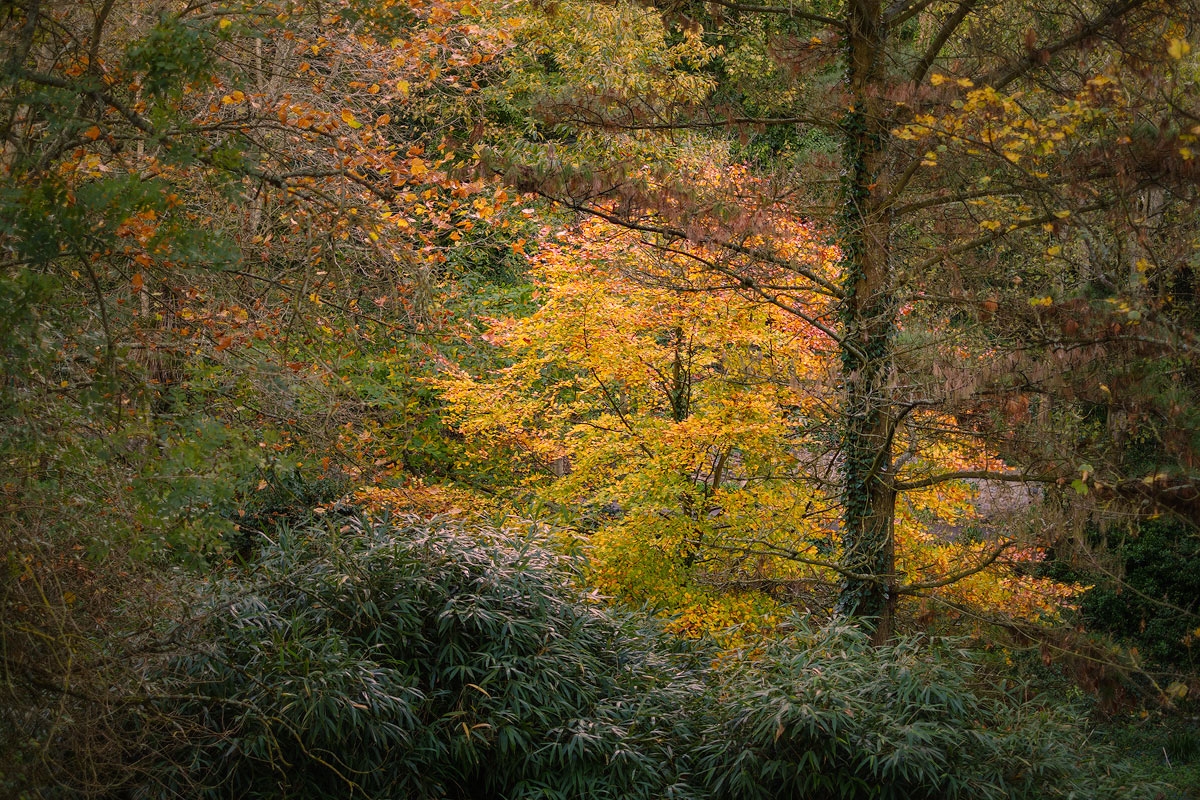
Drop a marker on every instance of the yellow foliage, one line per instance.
(415, 497)
(639, 562)
(671, 407)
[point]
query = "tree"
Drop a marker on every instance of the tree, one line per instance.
(977, 143)
(682, 433)
(210, 216)
(661, 413)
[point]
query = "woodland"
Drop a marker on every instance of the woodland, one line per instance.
(514, 399)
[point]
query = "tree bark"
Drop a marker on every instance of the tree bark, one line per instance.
(869, 323)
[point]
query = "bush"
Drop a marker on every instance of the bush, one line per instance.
(822, 714)
(1160, 574)
(422, 659)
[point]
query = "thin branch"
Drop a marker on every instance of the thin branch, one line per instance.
(897, 189)
(972, 244)
(21, 52)
(899, 12)
(947, 200)
(972, 474)
(392, 326)
(955, 577)
(612, 402)
(893, 425)
(727, 122)
(965, 7)
(97, 31)
(787, 11)
(1113, 14)
(749, 284)
(829, 288)
(755, 548)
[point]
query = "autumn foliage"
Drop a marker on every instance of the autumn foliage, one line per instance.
(692, 422)
(466, 399)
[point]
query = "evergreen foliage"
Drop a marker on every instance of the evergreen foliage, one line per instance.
(399, 659)
(822, 713)
(409, 659)
(1153, 602)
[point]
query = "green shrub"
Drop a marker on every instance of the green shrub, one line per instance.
(1160, 574)
(420, 660)
(396, 659)
(823, 714)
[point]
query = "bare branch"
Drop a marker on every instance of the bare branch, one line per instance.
(760, 291)
(1111, 15)
(965, 7)
(972, 474)
(972, 244)
(759, 548)
(728, 122)
(900, 11)
(786, 11)
(955, 577)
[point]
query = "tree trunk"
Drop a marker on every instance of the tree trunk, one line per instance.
(868, 326)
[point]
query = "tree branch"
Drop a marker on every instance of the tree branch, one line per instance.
(829, 288)
(955, 577)
(757, 548)
(1000, 78)
(972, 474)
(965, 7)
(612, 402)
(972, 244)
(749, 284)
(899, 12)
(787, 11)
(728, 122)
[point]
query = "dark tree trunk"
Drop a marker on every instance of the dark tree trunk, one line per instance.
(868, 325)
